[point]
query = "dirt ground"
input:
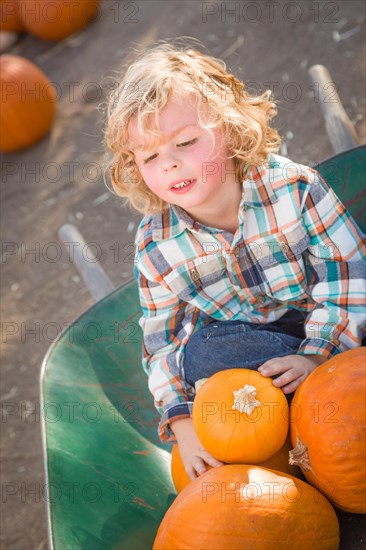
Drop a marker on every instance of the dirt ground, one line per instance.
(60, 180)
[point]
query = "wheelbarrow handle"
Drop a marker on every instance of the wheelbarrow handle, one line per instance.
(89, 268)
(340, 129)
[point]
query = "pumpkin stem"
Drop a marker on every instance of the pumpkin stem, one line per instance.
(299, 456)
(244, 399)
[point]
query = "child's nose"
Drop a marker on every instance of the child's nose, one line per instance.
(170, 163)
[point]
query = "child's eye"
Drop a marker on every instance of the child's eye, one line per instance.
(185, 143)
(150, 158)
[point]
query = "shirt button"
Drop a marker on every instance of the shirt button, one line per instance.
(285, 247)
(261, 299)
(195, 275)
(237, 252)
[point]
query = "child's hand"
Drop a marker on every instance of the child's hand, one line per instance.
(194, 456)
(293, 369)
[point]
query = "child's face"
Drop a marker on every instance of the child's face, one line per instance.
(187, 168)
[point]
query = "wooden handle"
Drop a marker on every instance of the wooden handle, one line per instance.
(340, 130)
(91, 271)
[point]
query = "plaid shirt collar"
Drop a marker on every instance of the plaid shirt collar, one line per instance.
(258, 190)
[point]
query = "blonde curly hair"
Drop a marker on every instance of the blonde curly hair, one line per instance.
(145, 89)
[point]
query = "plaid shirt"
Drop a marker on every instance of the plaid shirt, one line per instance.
(296, 247)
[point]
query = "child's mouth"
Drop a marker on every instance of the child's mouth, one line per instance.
(183, 187)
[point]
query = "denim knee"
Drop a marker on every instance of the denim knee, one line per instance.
(233, 344)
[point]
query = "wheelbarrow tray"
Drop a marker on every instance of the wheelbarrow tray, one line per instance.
(108, 482)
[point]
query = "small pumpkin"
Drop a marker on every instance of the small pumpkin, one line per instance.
(240, 416)
(239, 506)
(328, 429)
(56, 19)
(28, 103)
(9, 16)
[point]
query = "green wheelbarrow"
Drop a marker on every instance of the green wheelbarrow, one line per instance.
(107, 473)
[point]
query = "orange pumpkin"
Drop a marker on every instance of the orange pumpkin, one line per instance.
(56, 19)
(240, 416)
(239, 506)
(279, 461)
(9, 16)
(328, 427)
(28, 103)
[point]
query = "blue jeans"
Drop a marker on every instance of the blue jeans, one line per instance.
(224, 345)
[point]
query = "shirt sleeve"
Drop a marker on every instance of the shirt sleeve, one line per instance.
(167, 323)
(335, 264)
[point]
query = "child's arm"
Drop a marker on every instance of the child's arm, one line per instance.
(162, 348)
(167, 324)
(335, 270)
(195, 458)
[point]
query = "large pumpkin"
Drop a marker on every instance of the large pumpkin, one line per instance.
(240, 416)
(9, 16)
(328, 428)
(28, 103)
(279, 461)
(56, 19)
(238, 506)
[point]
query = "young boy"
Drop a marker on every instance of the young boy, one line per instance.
(244, 258)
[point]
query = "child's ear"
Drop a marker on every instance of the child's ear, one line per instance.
(133, 172)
